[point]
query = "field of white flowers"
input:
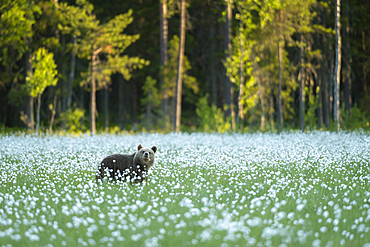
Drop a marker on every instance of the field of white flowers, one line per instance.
(292, 189)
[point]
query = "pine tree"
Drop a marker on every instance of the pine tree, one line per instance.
(338, 57)
(177, 122)
(102, 45)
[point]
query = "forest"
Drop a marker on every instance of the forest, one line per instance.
(184, 65)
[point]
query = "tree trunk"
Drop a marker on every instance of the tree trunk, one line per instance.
(62, 81)
(53, 111)
(280, 57)
(318, 78)
(177, 122)
(164, 54)
(121, 102)
(134, 105)
(338, 47)
(301, 88)
(148, 112)
(29, 72)
(106, 107)
(213, 65)
(263, 114)
(229, 90)
(271, 99)
(72, 74)
(364, 67)
(331, 79)
(324, 72)
(347, 62)
(241, 83)
(325, 95)
(93, 94)
(38, 112)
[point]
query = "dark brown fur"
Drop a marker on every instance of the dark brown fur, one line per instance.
(134, 167)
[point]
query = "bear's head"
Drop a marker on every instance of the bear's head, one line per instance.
(145, 156)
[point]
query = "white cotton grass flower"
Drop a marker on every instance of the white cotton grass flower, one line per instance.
(231, 188)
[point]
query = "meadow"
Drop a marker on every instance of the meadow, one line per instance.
(291, 189)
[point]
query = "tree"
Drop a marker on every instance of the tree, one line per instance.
(16, 32)
(177, 122)
(163, 49)
(43, 75)
(347, 59)
(229, 90)
(151, 100)
(301, 87)
(103, 45)
(338, 57)
(170, 77)
(280, 59)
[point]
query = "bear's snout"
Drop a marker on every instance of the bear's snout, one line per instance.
(146, 155)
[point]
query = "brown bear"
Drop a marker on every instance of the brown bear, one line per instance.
(134, 167)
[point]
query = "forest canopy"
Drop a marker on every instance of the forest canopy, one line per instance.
(184, 65)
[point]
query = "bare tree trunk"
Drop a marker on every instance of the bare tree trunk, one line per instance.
(324, 72)
(301, 88)
(31, 124)
(63, 83)
(121, 103)
(229, 90)
(347, 62)
(320, 101)
(241, 84)
(38, 112)
(338, 58)
(325, 94)
(364, 67)
(72, 74)
(164, 54)
(93, 94)
(177, 123)
(134, 110)
(53, 111)
(106, 107)
(213, 69)
(331, 80)
(30, 108)
(148, 112)
(318, 79)
(280, 57)
(263, 114)
(271, 99)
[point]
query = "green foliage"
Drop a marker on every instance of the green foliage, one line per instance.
(44, 72)
(16, 20)
(354, 120)
(107, 41)
(170, 70)
(151, 95)
(71, 120)
(211, 119)
(311, 116)
(75, 20)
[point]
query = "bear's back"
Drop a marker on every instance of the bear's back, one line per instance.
(118, 161)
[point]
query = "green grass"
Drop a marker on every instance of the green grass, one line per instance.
(204, 190)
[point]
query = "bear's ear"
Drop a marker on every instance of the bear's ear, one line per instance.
(139, 147)
(154, 148)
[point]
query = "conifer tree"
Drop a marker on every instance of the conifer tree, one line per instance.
(103, 45)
